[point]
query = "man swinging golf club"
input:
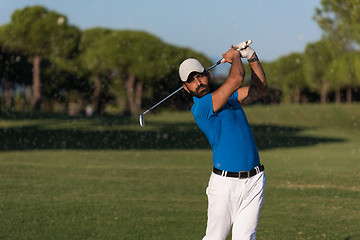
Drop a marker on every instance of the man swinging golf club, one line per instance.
(236, 186)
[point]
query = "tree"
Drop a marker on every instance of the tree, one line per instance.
(356, 79)
(95, 57)
(344, 73)
(65, 82)
(39, 33)
(291, 78)
(154, 64)
(141, 58)
(319, 56)
(14, 68)
(137, 57)
(340, 19)
(341, 23)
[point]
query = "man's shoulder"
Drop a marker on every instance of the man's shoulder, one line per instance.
(201, 102)
(203, 99)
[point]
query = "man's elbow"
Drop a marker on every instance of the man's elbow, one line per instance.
(263, 90)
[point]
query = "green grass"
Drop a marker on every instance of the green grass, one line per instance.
(108, 178)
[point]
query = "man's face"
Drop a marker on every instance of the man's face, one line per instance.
(198, 84)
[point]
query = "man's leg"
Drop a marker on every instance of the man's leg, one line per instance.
(219, 218)
(246, 220)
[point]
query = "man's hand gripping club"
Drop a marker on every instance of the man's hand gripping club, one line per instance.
(245, 50)
(233, 82)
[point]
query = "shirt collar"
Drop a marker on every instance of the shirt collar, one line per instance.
(195, 98)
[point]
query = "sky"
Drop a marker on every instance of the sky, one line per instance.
(277, 27)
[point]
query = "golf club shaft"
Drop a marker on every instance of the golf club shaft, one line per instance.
(217, 63)
(214, 65)
(162, 100)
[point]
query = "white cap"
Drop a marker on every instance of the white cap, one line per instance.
(188, 66)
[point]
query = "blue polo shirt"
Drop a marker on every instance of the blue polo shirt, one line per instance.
(228, 133)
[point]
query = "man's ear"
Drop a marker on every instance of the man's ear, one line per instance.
(185, 87)
(208, 75)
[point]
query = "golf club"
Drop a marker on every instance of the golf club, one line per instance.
(222, 60)
(142, 115)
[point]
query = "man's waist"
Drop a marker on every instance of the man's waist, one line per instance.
(240, 174)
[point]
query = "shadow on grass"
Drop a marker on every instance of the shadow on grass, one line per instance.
(162, 135)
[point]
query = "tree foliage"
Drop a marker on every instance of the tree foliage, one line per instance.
(319, 56)
(340, 19)
(288, 73)
(40, 33)
(135, 69)
(138, 58)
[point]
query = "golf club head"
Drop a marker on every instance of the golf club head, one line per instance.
(142, 123)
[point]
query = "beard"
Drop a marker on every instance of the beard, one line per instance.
(201, 90)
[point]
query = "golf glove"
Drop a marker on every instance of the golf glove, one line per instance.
(245, 53)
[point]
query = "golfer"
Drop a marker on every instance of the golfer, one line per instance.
(236, 186)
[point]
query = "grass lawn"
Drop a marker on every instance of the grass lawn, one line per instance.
(108, 178)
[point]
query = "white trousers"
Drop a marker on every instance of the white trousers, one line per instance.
(234, 202)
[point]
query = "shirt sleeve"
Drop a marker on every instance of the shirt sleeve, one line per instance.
(203, 109)
(236, 95)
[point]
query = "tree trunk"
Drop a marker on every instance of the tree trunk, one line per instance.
(36, 60)
(134, 93)
(304, 98)
(28, 97)
(285, 96)
(7, 94)
(297, 95)
(96, 96)
(286, 99)
(138, 94)
(348, 94)
(337, 96)
(324, 91)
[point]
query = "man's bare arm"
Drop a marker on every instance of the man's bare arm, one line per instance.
(232, 83)
(258, 86)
